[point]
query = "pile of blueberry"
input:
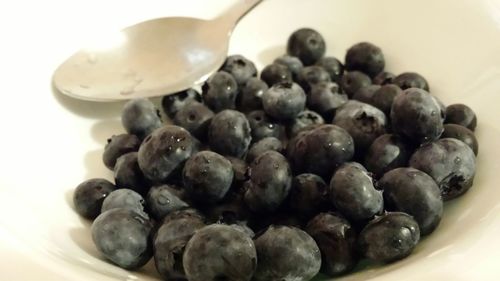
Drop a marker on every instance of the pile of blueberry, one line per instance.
(310, 168)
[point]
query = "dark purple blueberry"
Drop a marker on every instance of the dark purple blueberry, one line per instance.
(169, 243)
(286, 253)
(231, 210)
(365, 57)
(413, 192)
(220, 91)
(384, 97)
(308, 195)
(128, 174)
(461, 133)
(184, 213)
(353, 194)
(321, 150)
(365, 94)
(195, 118)
(304, 119)
(325, 98)
(387, 152)
(250, 97)
(165, 151)
(276, 73)
(240, 67)
(126, 199)
(229, 133)
(306, 44)
(383, 78)
(263, 145)
(293, 63)
(390, 237)
(89, 195)
(362, 121)
(269, 183)
(220, 252)
(140, 117)
(352, 81)
(408, 80)
(284, 101)
(240, 168)
(417, 115)
(312, 75)
(117, 146)
(174, 102)
(450, 162)
(207, 177)
(123, 237)
(461, 114)
(264, 126)
(333, 66)
(161, 200)
(336, 240)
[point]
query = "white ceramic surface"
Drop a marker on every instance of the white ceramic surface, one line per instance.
(50, 143)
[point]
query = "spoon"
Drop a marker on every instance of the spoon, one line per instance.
(152, 58)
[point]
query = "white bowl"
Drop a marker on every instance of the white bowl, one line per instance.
(51, 142)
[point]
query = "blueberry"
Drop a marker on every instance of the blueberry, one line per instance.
(240, 67)
(362, 121)
(286, 254)
(229, 133)
(312, 75)
(188, 213)
(417, 115)
(117, 146)
(270, 182)
(122, 236)
(413, 192)
(220, 252)
(336, 240)
(306, 44)
(140, 117)
(243, 228)
(264, 126)
(232, 210)
(321, 150)
(352, 81)
(304, 119)
(384, 97)
(162, 200)
(239, 169)
(365, 57)
(128, 174)
(461, 114)
(169, 243)
(408, 80)
(387, 152)
(174, 102)
(250, 97)
(89, 195)
(461, 133)
(207, 177)
(276, 73)
(365, 94)
(263, 145)
(195, 118)
(284, 101)
(333, 66)
(292, 63)
(325, 98)
(125, 199)
(165, 151)
(383, 78)
(390, 237)
(450, 162)
(353, 194)
(308, 194)
(220, 91)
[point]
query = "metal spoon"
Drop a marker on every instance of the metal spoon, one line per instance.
(151, 58)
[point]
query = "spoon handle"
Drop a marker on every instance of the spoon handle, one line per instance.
(236, 12)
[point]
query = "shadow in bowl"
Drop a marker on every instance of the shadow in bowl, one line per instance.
(102, 130)
(95, 166)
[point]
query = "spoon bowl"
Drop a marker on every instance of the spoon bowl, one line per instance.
(152, 58)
